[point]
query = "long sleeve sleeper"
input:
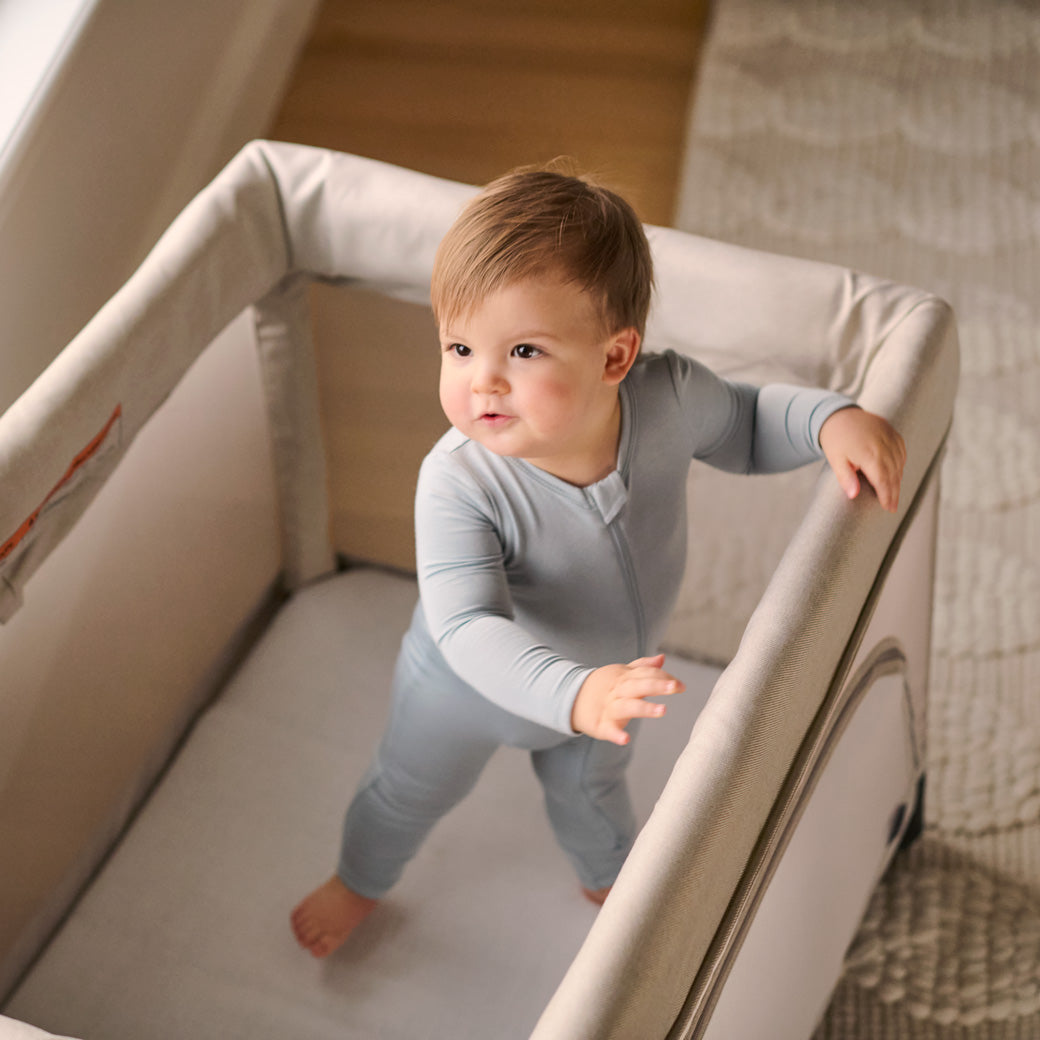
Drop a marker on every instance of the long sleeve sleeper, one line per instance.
(528, 583)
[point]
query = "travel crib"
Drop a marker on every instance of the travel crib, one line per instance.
(201, 577)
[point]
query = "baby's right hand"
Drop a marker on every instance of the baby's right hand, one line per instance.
(613, 695)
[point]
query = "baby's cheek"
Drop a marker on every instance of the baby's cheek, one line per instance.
(555, 396)
(451, 401)
(448, 408)
(570, 404)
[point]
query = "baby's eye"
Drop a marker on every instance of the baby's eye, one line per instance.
(526, 351)
(458, 349)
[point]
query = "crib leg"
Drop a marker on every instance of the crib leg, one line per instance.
(915, 825)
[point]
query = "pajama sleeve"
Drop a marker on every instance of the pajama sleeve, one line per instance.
(745, 429)
(468, 607)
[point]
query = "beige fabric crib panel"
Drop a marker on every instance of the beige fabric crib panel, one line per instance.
(826, 687)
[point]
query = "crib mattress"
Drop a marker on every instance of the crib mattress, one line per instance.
(185, 933)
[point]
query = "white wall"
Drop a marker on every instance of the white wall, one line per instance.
(147, 101)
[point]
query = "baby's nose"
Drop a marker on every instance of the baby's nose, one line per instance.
(489, 379)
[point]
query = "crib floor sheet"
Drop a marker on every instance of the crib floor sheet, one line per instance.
(185, 933)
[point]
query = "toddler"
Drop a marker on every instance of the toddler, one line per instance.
(551, 529)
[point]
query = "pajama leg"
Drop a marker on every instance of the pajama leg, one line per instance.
(586, 795)
(430, 757)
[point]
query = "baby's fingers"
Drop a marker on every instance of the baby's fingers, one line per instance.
(646, 678)
(647, 662)
(621, 712)
(848, 478)
(886, 487)
(609, 730)
(628, 708)
(885, 474)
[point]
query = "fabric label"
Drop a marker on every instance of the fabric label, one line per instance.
(77, 463)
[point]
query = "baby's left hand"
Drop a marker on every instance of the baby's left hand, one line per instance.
(858, 442)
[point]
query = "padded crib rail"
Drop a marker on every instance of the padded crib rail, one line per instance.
(277, 216)
(656, 957)
(281, 215)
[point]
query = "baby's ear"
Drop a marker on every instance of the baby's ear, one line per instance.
(621, 355)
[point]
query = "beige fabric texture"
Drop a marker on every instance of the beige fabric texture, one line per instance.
(901, 136)
(269, 216)
(246, 238)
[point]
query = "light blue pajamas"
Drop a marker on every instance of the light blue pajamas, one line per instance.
(527, 584)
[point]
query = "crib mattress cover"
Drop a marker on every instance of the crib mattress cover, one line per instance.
(185, 931)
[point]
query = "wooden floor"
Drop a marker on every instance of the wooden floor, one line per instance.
(468, 89)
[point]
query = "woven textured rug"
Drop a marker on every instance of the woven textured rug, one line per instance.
(903, 139)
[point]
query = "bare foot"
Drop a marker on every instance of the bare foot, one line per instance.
(324, 920)
(597, 895)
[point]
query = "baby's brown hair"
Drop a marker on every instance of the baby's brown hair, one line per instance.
(538, 222)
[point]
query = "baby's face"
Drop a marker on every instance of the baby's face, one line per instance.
(525, 374)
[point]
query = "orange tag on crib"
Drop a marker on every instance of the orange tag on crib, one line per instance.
(83, 457)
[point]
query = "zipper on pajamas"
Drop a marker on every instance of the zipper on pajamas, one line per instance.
(609, 497)
(621, 544)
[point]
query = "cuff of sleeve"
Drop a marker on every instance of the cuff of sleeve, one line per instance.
(823, 410)
(565, 702)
